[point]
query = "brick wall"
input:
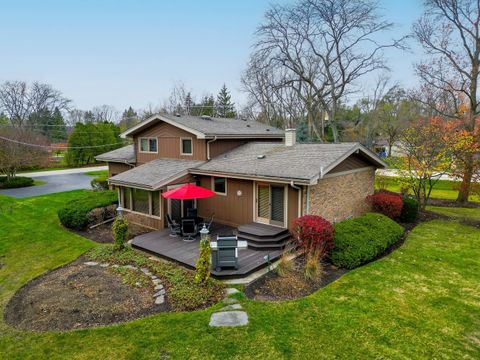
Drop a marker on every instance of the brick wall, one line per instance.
(339, 197)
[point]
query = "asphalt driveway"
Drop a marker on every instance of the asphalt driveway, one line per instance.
(55, 183)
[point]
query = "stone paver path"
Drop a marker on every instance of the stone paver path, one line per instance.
(230, 315)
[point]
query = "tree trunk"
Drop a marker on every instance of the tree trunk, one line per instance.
(389, 149)
(464, 191)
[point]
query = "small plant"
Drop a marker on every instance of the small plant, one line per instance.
(203, 263)
(381, 182)
(285, 264)
(387, 204)
(409, 210)
(99, 184)
(120, 233)
(313, 266)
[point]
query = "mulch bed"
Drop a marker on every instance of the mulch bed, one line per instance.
(272, 287)
(452, 203)
(103, 233)
(78, 296)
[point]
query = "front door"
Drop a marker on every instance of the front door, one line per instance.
(270, 204)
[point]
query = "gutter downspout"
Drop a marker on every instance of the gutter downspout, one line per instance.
(308, 200)
(299, 189)
(208, 146)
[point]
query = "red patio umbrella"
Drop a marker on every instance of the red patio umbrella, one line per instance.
(187, 192)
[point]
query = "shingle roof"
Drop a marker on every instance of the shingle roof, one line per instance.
(212, 127)
(154, 174)
(123, 154)
(302, 162)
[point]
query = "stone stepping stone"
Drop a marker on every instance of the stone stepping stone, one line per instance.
(229, 318)
(158, 287)
(232, 307)
(130, 267)
(156, 281)
(160, 300)
(105, 265)
(231, 291)
(91, 263)
(159, 293)
(230, 301)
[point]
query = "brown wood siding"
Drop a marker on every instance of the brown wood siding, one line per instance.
(144, 220)
(353, 162)
(292, 209)
(169, 144)
(117, 168)
(230, 209)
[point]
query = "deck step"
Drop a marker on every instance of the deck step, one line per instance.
(264, 237)
(261, 230)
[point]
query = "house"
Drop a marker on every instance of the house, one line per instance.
(259, 173)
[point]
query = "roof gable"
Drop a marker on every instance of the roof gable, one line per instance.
(212, 127)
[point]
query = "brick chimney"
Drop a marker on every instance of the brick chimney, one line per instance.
(290, 137)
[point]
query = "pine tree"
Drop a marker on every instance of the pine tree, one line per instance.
(224, 106)
(129, 118)
(58, 131)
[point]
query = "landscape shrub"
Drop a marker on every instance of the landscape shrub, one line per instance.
(75, 215)
(99, 184)
(409, 210)
(313, 233)
(203, 263)
(120, 233)
(361, 239)
(16, 182)
(386, 203)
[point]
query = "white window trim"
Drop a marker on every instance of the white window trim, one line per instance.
(140, 145)
(213, 185)
(181, 146)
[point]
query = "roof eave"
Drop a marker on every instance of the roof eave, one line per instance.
(300, 181)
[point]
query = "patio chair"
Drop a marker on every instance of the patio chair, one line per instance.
(175, 229)
(208, 223)
(192, 213)
(189, 229)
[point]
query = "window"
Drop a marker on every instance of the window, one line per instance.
(156, 203)
(126, 198)
(140, 201)
(220, 185)
(148, 145)
(186, 147)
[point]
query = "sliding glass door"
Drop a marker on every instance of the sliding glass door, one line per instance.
(270, 200)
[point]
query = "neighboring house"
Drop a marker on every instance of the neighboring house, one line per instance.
(259, 173)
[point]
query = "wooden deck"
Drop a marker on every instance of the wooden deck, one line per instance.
(161, 244)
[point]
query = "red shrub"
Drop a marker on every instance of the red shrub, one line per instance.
(313, 234)
(386, 204)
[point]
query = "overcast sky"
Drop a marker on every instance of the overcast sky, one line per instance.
(131, 53)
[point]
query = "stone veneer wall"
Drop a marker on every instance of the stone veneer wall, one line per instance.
(339, 197)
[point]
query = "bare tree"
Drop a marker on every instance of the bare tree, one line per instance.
(327, 44)
(19, 100)
(20, 148)
(105, 113)
(449, 32)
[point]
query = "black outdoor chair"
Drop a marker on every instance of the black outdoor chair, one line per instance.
(175, 229)
(189, 229)
(192, 213)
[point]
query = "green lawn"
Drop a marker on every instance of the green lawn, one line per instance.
(443, 189)
(422, 301)
(100, 175)
(459, 213)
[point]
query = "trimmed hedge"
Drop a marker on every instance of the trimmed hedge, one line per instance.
(359, 240)
(409, 210)
(386, 203)
(16, 182)
(76, 214)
